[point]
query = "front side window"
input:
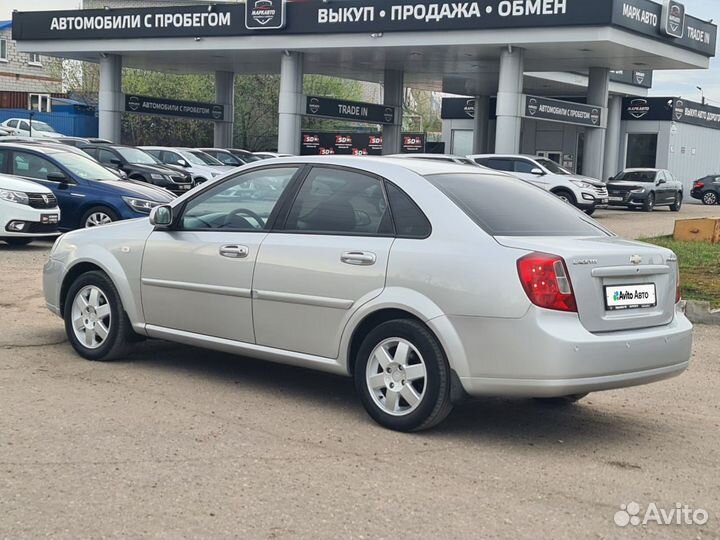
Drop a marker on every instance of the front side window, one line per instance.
(499, 164)
(336, 201)
(206, 159)
(84, 167)
(106, 156)
(32, 166)
(24, 125)
(504, 206)
(522, 166)
(227, 159)
(242, 203)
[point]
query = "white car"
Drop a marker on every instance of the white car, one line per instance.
(270, 155)
(423, 280)
(27, 211)
(447, 158)
(201, 166)
(585, 193)
(23, 127)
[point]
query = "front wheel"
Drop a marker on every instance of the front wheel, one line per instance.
(590, 211)
(95, 321)
(565, 196)
(98, 216)
(649, 205)
(403, 377)
(677, 205)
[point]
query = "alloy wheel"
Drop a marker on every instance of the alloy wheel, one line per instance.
(396, 376)
(91, 317)
(97, 219)
(710, 198)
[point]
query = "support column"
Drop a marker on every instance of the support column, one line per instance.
(290, 107)
(612, 138)
(110, 98)
(598, 93)
(481, 125)
(225, 96)
(509, 101)
(393, 97)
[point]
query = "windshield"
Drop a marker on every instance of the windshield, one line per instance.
(84, 167)
(504, 206)
(136, 156)
(205, 159)
(41, 126)
(637, 176)
(553, 167)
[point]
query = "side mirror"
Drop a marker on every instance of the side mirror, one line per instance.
(115, 162)
(537, 171)
(58, 176)
(183, 163)
(661, 181)
(161, 217)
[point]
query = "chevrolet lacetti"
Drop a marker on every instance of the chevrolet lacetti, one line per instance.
(425, 281)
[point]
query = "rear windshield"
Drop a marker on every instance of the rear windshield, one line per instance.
(505, 206)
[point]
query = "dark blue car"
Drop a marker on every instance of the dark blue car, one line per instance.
(88, 193)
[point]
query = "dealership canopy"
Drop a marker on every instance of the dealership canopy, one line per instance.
(515, 49)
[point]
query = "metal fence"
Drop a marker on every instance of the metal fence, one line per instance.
(67, 123)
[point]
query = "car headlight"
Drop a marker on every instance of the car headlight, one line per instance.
(14, 196)
(155, 176)
(141, 205)
(638, 190)
(581, 184)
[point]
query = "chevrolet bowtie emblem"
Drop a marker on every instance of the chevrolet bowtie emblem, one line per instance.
(636, 259)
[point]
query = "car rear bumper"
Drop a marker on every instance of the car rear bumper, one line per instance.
(547, 354)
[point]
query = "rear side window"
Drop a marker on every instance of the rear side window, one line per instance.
(508, 207)
(409, 220)
(337, 201)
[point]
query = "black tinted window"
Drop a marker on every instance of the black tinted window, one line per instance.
(336, 201)
(500, 164)
(409, 220)
(508, 207)
(522, 166)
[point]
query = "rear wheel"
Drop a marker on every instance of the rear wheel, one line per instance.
(95, 320)
(649, 205)
(564, 400)
(18, 241)
(710, 198)
(677, 205)
(403, 377)
(98, 216)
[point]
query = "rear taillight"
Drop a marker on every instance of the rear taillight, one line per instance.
(699, 184)
(678, 292)
(546, 281)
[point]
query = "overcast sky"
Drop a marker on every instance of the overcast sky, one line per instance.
(667, 83)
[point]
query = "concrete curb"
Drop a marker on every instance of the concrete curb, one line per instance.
(700, 312)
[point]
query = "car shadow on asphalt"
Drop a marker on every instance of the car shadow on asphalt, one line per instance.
(581, 426)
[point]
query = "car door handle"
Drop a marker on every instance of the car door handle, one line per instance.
(234, 252)
(358, 258)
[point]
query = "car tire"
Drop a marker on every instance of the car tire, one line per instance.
(710, 198)
(403, 377)
(649, 204)
(565, 195)
(199, 181)
(590, 211)
(97, 216)
(95, 321)
(17, 241)
(677, 205)
(563, 400)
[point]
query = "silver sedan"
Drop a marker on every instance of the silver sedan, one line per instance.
(424, 281)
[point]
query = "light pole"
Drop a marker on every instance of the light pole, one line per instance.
(702, 94)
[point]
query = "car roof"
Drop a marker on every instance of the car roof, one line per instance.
(525, 156)
(643, 169)
(46, 148)
(423, 167)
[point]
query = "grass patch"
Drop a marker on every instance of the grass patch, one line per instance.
(699, 267)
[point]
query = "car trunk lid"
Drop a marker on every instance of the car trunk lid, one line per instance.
(601, 265)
